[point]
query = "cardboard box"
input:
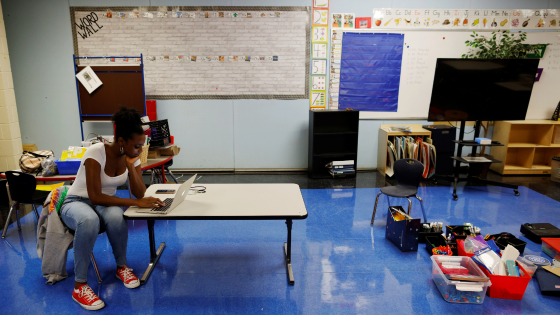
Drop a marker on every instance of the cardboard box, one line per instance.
(172, 150)
(30, 147)
(153, 153)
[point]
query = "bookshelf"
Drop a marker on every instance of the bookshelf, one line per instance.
(385, 135)
(333, 136)
(528, 147)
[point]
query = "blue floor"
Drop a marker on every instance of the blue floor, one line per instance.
(342, 265)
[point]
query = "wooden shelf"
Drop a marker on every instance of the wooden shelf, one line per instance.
(526, 145)
(529, 146)
(540, 167)
(385, 134)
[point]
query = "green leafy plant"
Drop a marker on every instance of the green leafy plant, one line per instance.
(501, 45)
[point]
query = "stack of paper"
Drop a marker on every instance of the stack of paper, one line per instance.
(341, 168)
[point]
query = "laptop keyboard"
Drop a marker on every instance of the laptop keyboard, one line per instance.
(163, 209)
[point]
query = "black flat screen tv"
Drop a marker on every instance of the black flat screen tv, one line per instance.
(482, 89)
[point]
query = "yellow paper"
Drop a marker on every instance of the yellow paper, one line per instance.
(49, 187)
(555, 271)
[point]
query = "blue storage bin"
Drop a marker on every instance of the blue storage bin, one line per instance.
(68, 167)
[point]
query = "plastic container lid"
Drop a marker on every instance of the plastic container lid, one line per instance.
(538, 260)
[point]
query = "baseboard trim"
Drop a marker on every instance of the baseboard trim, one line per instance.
(251, 170)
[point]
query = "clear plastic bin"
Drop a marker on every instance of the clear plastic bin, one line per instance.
(527, 265)
(454, 291)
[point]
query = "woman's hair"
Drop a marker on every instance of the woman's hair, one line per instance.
(127, 122)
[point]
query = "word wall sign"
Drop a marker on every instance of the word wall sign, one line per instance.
(457, 19)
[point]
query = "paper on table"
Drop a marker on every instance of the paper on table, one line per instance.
(89, 79)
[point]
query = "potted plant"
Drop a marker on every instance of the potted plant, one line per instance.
(500, 45)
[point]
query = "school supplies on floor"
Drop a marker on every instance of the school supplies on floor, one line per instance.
(467, 288)
(536, 231)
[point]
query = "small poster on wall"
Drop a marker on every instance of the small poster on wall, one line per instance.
(320, 17)
(89, 79)
(343, 20)
(324, 4)
(363, 22)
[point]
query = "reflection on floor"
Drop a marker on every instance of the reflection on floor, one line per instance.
(342, 264)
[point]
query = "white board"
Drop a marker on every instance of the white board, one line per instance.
(226, 52)
(421, 50)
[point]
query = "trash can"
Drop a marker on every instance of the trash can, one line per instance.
(555, 169)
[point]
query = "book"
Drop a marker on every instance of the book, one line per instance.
(343, 171)
(400, 128)
(343, 166)
(336, 163)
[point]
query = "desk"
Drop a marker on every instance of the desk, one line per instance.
(228, 202)
(150, 164)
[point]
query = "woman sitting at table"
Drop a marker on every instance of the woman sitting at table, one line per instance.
(91, 202)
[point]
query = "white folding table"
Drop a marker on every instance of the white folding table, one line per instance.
(228, 202)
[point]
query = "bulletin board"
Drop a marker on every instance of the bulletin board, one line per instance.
(203, 52)
(420, 52)
(121, 86)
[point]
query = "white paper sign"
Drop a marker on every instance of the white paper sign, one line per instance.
(319, 67)
(89, 79)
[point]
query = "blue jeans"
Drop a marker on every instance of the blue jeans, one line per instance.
(85, 219)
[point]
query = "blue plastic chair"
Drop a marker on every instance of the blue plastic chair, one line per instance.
(409, 174)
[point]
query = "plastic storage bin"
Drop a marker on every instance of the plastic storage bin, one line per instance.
(505, 287)
(504, 239)
(68, 167)
(161, 136)
(454, 291)
(434, 241)
(527, 265)
(461, 249)
(551, 247)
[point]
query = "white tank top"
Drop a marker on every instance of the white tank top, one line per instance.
(108, 184)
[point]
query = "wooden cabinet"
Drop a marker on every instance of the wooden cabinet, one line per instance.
(386, 135)
(528, 147)
(333, 136)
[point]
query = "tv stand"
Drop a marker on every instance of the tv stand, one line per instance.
(459, 159)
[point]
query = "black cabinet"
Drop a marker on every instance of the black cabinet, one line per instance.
(443, 137)
(333, 136)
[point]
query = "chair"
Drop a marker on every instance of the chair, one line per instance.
(157, 174)
(409, 174)
(23, 191)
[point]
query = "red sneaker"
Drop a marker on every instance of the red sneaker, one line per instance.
(87, 298)
(127, 277)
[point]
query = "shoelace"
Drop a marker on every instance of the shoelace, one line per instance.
(127, 274)
(88, 293)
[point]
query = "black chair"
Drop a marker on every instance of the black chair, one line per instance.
(23, 191)
(409, 174)
(157, 174)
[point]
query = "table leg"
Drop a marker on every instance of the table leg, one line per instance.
(288, 253)
(163, 173)
(154, 255)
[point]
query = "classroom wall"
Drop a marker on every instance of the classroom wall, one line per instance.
(213, 134)
(10, 137)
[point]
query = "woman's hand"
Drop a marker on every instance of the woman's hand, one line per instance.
(149, 202)
(131, 161)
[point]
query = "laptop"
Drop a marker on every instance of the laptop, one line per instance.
(171, 203)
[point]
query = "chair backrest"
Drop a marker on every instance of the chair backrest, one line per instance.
(408, 172)
(22, 186)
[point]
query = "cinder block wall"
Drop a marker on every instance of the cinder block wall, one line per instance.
(10, 136)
